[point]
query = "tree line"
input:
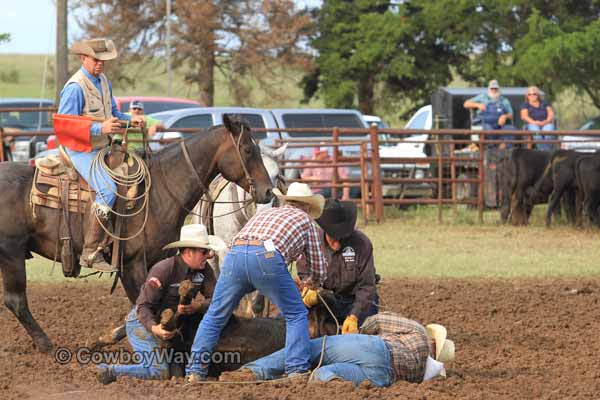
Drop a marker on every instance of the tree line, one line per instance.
(373, 55)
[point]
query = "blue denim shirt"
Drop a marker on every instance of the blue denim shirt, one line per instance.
(72, 99)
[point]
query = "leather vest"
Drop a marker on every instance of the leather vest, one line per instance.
(95, 104)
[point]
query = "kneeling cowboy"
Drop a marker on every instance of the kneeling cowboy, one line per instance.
(350, 268)
(89, 93)
(161, 291)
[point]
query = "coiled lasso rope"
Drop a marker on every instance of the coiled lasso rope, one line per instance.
(141, 174)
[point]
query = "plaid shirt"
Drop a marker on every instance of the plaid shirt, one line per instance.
(407, 341)
(293, 232)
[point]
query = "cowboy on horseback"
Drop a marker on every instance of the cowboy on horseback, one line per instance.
(89, 93)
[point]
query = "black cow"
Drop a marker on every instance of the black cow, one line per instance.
(562, 168)
(518, 174)
(587, 172)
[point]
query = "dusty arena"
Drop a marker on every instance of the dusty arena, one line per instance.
(516, 339)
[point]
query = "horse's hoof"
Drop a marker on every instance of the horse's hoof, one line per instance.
(44, 345)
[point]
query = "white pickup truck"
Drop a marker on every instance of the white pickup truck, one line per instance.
(411, 147)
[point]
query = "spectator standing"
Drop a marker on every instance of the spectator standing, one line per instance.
(539, 117)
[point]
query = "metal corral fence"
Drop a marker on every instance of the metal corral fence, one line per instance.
(447, 160)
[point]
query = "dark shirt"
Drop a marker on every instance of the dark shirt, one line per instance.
(161, 288)
(536, 113)
(350, 272)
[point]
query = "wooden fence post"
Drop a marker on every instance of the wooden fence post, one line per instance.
(376, 171)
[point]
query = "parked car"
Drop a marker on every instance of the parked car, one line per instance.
(407, 148)
(592, 124)
(155, 104)
(275, 118)
(206, 117)
(25, 147)
(373, 119)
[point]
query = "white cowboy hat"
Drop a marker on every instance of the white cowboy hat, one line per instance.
(196, 235)
(301, 193)
(444, 348)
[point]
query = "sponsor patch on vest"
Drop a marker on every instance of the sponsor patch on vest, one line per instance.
(349, 254)
(198, 278)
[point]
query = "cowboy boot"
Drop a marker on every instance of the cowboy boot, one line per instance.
(96, 241)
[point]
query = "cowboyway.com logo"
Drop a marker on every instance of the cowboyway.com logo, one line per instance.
(86, 355)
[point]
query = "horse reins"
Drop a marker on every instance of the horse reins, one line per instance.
(203, 187)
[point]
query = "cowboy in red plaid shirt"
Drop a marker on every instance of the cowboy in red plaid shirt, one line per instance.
(258, 259)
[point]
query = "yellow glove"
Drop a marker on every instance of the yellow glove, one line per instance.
(350, 325)
(309, 297)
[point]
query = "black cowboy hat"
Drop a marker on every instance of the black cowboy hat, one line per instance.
(338, 218)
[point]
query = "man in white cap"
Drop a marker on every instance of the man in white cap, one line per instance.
(494, 110)
(389, 348)
(161, 291)
(89, 93)
(258, 259)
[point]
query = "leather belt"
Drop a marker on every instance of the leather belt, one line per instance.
(247, 242)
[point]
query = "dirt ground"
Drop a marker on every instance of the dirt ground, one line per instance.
(517, 339)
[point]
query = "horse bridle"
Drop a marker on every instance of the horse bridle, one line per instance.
(249, 179)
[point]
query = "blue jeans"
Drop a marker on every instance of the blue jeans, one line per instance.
(99, 181)
(545, 128)
(246, 268)
(351, 357)
(145, 346)
(489, 127)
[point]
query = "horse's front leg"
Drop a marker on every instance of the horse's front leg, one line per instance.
(134, 275)
(15, 298)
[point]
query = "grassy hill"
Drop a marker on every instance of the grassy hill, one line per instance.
(22, 75)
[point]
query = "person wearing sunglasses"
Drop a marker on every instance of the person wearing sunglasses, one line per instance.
(161, 291)
(539, 117)
(495, 112)
(136, 108)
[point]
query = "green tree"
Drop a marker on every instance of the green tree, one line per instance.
(558, 58)
(4, 37)
(392, 51)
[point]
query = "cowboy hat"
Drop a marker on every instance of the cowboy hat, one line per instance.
(100, 49)
(196, 236)
(301, 193)
(338, 218)
(444, 348)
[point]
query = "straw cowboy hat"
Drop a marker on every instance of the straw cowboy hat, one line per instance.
(444, 348)
(301, 193)
(338, 219)
(196, 236)
(100, 49)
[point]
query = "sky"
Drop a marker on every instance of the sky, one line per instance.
(32, 25)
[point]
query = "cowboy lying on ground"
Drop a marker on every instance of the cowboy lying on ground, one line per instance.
(161, 291)
(258, 260)
(89, 93)
(350, 266)
(389, 348)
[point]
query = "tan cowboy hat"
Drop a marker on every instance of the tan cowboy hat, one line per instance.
(100, 49)
(444, 348)
(196, 235)
(301, 193)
